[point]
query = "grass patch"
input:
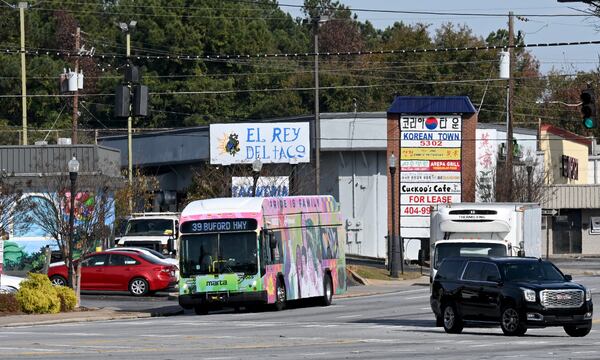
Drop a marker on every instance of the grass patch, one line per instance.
(378, 273)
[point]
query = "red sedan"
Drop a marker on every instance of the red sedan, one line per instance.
(119, 271)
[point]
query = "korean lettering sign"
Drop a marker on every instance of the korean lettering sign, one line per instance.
(271, 143)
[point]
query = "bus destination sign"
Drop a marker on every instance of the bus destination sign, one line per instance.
(218, 225)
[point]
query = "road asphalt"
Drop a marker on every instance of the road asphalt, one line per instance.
(372, 287)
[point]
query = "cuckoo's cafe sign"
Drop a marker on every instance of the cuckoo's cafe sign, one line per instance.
(441, 188)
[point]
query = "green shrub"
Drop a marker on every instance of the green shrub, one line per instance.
(37, 295)
(8, 303)
(67, 297)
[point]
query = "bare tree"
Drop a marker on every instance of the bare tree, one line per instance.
(93, 213)
(491, 185)
(140, 194)
(13, 212)
(211, 181)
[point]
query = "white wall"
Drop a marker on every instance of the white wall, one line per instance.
(357, 179)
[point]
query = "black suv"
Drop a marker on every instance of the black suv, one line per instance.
(516, 292)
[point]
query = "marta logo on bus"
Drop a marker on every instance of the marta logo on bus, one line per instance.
(216, 282)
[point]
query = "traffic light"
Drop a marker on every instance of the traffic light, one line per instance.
(588, 108)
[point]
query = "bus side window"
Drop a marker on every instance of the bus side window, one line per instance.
(329, 242)
(276, 257)
(265, 249)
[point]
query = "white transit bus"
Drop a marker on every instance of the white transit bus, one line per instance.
(245, 251)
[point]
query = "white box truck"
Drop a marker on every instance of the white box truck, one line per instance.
(484, 229)
(155, 230)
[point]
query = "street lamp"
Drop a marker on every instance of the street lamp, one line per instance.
(316, 21)
(256, 167)
(395, 253)
(529, 167)
(73, 166)
(127, 29)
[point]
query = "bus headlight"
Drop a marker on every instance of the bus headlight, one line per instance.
(529, 295)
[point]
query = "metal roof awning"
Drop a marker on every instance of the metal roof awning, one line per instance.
(571, 197)
(432, 105)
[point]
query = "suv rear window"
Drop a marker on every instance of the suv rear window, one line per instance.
(449, 269)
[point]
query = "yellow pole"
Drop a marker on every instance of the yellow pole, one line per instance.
(22, 6)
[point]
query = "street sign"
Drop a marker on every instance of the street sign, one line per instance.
(549, 212)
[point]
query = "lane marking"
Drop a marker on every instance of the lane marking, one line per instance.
(28, 349)
(349, 316)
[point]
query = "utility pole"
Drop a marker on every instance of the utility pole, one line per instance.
(22, 7)
(76, 94)
(317, 114)
(129, 123)
(509, 117)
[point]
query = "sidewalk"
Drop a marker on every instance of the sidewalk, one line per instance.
(373, 287)
(376, 287)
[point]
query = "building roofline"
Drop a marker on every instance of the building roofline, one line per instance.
(565, 134)
(502, 127)
(204, 128)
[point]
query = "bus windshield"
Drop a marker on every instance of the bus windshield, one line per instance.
(144, 227)
(219, 253)
(466, 249)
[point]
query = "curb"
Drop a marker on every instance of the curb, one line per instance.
(91, 317)
(96, 314)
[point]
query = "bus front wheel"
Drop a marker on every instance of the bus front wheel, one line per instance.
(327, 290)
(280, 295)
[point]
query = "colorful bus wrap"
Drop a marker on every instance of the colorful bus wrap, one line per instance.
(270, 250)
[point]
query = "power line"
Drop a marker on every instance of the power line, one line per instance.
(190, 57)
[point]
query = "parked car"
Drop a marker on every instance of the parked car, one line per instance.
(9, 284)
(137, 273)
(518, 293)
(151, 253)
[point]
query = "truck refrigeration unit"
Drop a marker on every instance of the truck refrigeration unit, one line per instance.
(484, 229)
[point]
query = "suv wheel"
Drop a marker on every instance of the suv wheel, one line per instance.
(511, 322)
(439, 321)
(452, 322)
(580, 331)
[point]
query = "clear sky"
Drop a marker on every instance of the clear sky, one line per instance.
(537, 29)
